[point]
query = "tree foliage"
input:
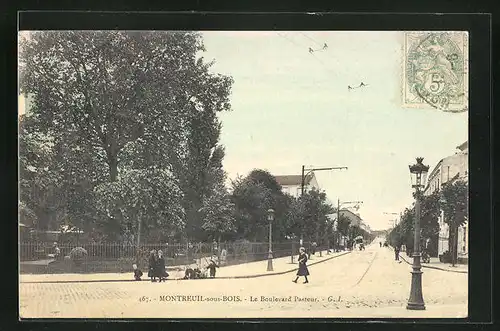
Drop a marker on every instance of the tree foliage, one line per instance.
(343, 225)
(253, 196)
(108, 105)
(150, 196)
(455, 203)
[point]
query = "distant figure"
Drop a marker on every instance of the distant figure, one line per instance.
(380, 243)
(311, 50)
(397, 249)
(325, 46)
(303, 271)
(137, 272)
(56, 252)
(212, 268)
(362, 84)
(313, 248)
(349, 87)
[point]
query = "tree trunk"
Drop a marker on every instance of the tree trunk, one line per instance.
(452, 243)
(455, 246)
(113, 168)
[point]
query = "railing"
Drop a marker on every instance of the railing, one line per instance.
(115, 257)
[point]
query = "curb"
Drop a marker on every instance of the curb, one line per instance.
(436, 268)
(282, 272)
(178, 279)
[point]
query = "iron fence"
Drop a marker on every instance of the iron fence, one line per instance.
(35, 257)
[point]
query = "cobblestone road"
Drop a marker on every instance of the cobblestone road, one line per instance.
(361, 284)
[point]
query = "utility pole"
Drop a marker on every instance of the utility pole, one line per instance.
(303, 179)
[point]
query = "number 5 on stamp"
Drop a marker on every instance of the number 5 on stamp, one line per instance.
(435, 71)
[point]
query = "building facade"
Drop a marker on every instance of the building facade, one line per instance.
(451, 168)
(292, 184)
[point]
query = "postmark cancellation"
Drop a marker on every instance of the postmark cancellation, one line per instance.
(435, 70)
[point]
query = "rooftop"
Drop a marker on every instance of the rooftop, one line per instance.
(288, 180)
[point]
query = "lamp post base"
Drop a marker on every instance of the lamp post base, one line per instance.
(416, 300)
(270, 262)
(415, 306)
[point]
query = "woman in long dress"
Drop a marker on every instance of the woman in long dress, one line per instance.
(161, 273)
(152, 265)
(303, 271)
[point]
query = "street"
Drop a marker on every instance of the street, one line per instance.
(360, 284)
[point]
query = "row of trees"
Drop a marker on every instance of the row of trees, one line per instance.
(452, 200)
(122, 137)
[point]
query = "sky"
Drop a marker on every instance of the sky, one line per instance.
(291, 108)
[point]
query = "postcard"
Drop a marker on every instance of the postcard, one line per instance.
(243, 174)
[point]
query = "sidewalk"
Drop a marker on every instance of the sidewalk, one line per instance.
(436, 264)
(247, 270)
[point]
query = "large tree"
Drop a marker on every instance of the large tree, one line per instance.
(252, 196)
(429, 221)
(117, 102)
(454, 203)
(311, 216)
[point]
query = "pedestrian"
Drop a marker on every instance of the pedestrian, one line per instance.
(313, 248)
(303, 271)
(397, 248)
(380, 243)
(152, 265)
(137, 272)
(212, 268)
(160, 267)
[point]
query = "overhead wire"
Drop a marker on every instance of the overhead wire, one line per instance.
(302, 33)
(312, 52)
(304, 47)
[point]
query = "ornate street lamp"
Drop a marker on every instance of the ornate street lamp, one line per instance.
(418, 173)
(270, 218)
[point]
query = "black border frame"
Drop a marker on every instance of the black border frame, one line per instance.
(480, 124)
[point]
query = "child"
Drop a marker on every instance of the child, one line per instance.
(137, 272)
(211, 266)
(189, 273)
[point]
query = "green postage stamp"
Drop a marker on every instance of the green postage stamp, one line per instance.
(435, 72)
